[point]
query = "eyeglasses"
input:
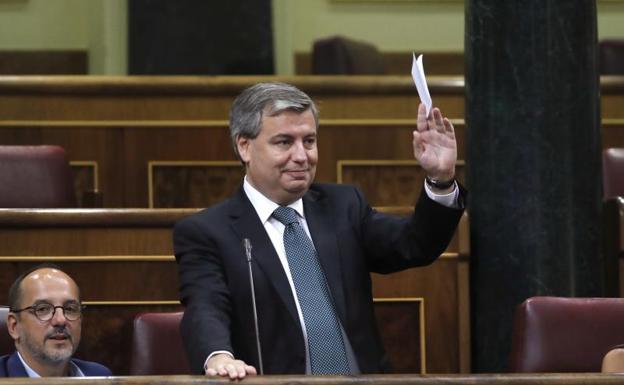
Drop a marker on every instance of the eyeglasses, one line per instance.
(45, 311)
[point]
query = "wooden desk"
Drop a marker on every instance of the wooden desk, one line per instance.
(485, 379)
(122, 259)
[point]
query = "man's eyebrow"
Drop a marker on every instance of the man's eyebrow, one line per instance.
(281, 136)
(41, 301)
(48, 301)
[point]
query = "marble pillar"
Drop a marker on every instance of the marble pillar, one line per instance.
(533, 158)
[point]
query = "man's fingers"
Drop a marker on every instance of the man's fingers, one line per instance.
(437, 120)
(235, 370)
(421, 122)
(250, 369)
(225, 365)
(448, 126)
(232, 371)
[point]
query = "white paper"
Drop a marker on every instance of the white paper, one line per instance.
(418, 74)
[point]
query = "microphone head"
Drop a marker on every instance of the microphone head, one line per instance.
(247, 248)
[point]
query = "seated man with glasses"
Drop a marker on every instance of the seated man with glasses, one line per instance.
(45, 320)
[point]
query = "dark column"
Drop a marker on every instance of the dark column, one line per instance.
(533, 155)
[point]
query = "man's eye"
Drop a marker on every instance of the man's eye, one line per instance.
(44, 308)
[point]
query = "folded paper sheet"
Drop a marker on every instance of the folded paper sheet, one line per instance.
(418, 74)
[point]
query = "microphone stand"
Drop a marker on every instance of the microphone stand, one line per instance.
(247, 247)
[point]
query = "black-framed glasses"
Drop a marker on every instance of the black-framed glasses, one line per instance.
(45, 311)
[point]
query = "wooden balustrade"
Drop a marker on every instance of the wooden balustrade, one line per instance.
(122, 260)
(163, 141)
(409, 379)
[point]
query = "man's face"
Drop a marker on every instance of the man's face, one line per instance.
(281, 160)
(49, 342)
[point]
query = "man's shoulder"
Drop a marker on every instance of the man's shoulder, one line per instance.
(332, 188)
(211, 214)
(11, 366)
(90, 368)
(3, 365)
(338, 194)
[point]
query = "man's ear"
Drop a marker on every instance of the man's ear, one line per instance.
(243, 144)
(12, 325)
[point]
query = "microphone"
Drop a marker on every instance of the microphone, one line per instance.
(247, 248)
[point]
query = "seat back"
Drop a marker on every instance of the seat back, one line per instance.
(611, 56)
(555, 334)
(613, 172)
(35, 177)
(157, 345)
(343, 56)
(7, 345)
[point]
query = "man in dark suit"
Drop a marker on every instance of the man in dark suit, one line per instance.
(325, 309)
(45, 322)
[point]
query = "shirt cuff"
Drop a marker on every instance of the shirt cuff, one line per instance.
(213, 354)
(448, 200)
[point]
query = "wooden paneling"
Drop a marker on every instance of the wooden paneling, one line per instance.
(123, 152)
(122, 260)
(108, 280)
(612, 132)
(85, 176)
(612, 97)
(208, 98)
(40, 62)
(400, 63)
(613, 242)
(123, 123)
(133, 98)
(192, 184)
(403, 339)
(388, 182)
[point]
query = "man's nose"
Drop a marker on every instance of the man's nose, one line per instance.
(58, 316)
(299, 153)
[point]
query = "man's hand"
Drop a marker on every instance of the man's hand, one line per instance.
(434, 144)
(225, 365)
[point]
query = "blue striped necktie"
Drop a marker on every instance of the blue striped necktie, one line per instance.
(325, 342)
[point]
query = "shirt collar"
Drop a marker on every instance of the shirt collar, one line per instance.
(264, 206)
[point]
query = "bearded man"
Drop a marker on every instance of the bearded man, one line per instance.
(45, 321)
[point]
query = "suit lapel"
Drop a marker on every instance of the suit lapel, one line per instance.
(246, 224)
(322, 226)
(15, 367)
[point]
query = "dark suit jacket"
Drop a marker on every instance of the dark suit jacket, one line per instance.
(11, 366)
(351, 240)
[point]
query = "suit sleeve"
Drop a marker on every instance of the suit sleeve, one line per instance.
(394, 244)
(204, 293)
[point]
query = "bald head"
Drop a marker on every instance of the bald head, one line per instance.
(39, 276)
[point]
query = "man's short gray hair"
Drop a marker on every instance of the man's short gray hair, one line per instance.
(265, 99)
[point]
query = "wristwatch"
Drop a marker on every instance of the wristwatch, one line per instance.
(438, 184)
